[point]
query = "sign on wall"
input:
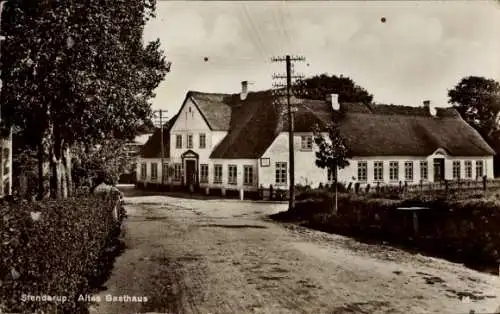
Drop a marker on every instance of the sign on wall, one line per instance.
(265, 162)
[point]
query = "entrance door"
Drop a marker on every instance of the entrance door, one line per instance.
(190, 172)
(438, 169)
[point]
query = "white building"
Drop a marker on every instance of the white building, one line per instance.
(240, 141)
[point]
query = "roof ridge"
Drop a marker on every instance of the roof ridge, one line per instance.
(193, 92)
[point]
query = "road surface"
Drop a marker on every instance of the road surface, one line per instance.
(226, 256)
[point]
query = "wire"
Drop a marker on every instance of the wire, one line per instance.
(283, 22)
(256, 35)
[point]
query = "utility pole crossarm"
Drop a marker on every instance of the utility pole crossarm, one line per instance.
(282, 76)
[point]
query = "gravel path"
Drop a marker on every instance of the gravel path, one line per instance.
(224, 256)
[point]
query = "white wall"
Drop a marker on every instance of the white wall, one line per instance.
(307, 173)
(148, 162)
(347, 174)
(239, 174)
(217, 137)
(190, 121)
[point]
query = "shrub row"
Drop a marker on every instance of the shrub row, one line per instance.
(461, 230)
(51, 248)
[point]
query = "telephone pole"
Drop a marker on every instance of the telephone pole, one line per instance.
(291, 124)
(158, 115)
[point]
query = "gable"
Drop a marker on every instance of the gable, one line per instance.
(190, 118)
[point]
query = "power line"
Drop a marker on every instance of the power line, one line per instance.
(291, 127)
(258, 38)
(284, 25)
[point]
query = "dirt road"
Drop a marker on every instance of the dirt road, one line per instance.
(213, 256)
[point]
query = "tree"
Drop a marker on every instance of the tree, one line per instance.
(77, 72)
(109, 159)
(332, 153)
(320, 86)
(477, 99)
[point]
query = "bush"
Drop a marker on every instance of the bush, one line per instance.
(55, 254)
(461, 230)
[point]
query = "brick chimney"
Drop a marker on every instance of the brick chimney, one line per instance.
(244, 90)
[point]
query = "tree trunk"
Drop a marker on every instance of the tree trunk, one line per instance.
(58, 185)
(64, 186)
(335, 205)
(67, 168)
(41, 172)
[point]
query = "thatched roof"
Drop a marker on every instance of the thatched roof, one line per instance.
(370, 130)
(386, 130)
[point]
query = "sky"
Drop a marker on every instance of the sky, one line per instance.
(423, 49)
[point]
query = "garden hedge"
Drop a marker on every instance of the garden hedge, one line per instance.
(52, 248)
(465, 231)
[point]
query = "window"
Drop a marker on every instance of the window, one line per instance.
(231, 175)
(154, 171)
(394, 171)
(178, 141)
(190, 141)
(143, 171)
(306, 142)
(204, 173)
(217, 173)
(281, 173)
(177, 172)
(362, 171)
(424, 173)
(164, 170)
(456, 169)
(409, 171)
(203, 141)
(479, 169)
(248, 175)
(378, 171)
(468, 169)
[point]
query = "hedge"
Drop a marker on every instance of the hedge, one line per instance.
(466, 231)
(52, 248)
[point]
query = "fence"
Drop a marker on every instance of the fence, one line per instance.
(457, 189)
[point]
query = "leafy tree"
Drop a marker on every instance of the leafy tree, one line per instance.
(77, 71)
(332, 153)
(477, 99)
(320, 86)
(108, 159)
